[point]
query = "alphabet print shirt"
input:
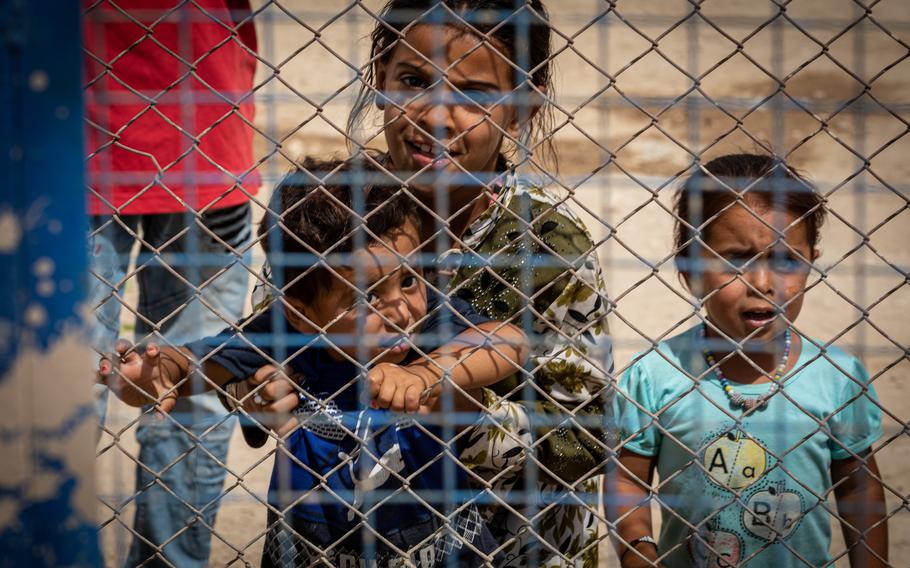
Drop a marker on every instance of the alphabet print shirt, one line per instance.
(754, 487)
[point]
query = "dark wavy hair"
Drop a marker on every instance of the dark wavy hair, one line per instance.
(755, 178)
(323, 205)
(520, 30)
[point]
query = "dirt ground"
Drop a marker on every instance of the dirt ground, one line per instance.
(856, 153)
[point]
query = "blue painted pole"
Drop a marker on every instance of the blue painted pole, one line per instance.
(47, 419)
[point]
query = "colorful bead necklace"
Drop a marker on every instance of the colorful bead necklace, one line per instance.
(736, 399)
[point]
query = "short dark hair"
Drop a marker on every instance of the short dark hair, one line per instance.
(323, 205)
(758, 178)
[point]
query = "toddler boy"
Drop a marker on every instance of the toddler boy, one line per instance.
(353, 321)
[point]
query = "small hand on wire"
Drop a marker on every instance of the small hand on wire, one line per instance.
(401, 389)
(140, 379)
(270, 396)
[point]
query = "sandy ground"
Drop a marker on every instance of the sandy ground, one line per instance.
(826, 140)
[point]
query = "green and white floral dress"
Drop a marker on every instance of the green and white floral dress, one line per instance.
(529, 260)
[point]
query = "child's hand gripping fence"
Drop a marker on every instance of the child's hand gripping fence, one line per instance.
(643, 95)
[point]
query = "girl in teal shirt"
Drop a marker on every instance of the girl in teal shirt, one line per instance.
(749, 424)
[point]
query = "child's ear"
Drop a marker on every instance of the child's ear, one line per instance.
(816, 253)
(695, 286)
(532, 102)
(299, 315)
(687, 284)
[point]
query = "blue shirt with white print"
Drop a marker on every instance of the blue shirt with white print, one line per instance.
(349, 466)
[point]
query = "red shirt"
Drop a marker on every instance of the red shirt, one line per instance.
(158, 133)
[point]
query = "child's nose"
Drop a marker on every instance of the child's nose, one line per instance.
(761, 279)
(437, 114)
(396, 312)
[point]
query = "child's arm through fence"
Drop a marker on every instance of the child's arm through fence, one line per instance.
(473, 359)
(159, 375)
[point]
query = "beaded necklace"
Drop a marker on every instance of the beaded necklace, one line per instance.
(736, 399)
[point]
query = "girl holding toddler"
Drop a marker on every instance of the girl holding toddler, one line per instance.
(462, 87)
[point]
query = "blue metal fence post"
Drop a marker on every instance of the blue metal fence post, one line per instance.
(47, 419)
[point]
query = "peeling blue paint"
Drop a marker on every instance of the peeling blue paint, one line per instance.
(36, 540)
(43, 254)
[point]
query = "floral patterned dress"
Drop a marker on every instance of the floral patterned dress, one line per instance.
(529, 260)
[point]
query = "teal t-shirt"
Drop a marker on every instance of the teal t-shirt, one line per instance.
(745, 491)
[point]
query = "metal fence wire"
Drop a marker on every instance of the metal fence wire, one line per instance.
(235, 151)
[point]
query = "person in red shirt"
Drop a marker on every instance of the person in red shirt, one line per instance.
(169, 112)
(169, 106)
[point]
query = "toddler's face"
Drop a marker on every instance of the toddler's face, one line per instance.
(434, 123)
(759, 301)
(383, 318)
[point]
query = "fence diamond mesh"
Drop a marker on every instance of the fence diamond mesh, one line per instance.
(534, 188)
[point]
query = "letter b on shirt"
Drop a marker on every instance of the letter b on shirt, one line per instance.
(773, 513)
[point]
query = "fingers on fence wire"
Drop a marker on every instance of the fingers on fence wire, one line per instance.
(396, 388)
(134, 374)
(270, 396)
(271, 373)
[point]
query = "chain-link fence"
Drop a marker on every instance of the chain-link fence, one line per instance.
(198, 110)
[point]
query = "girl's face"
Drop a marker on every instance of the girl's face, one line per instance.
(451, 125)
(769, 291)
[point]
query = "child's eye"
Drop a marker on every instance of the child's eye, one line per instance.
(787, 264)
(404, 92)
(413, 82)
(408, 282)
(738, 261)
(473, 98)
(368, 298)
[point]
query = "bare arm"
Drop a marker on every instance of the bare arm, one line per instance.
(861, 505)
(475, 358)
(627, 503)
(491, 352)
